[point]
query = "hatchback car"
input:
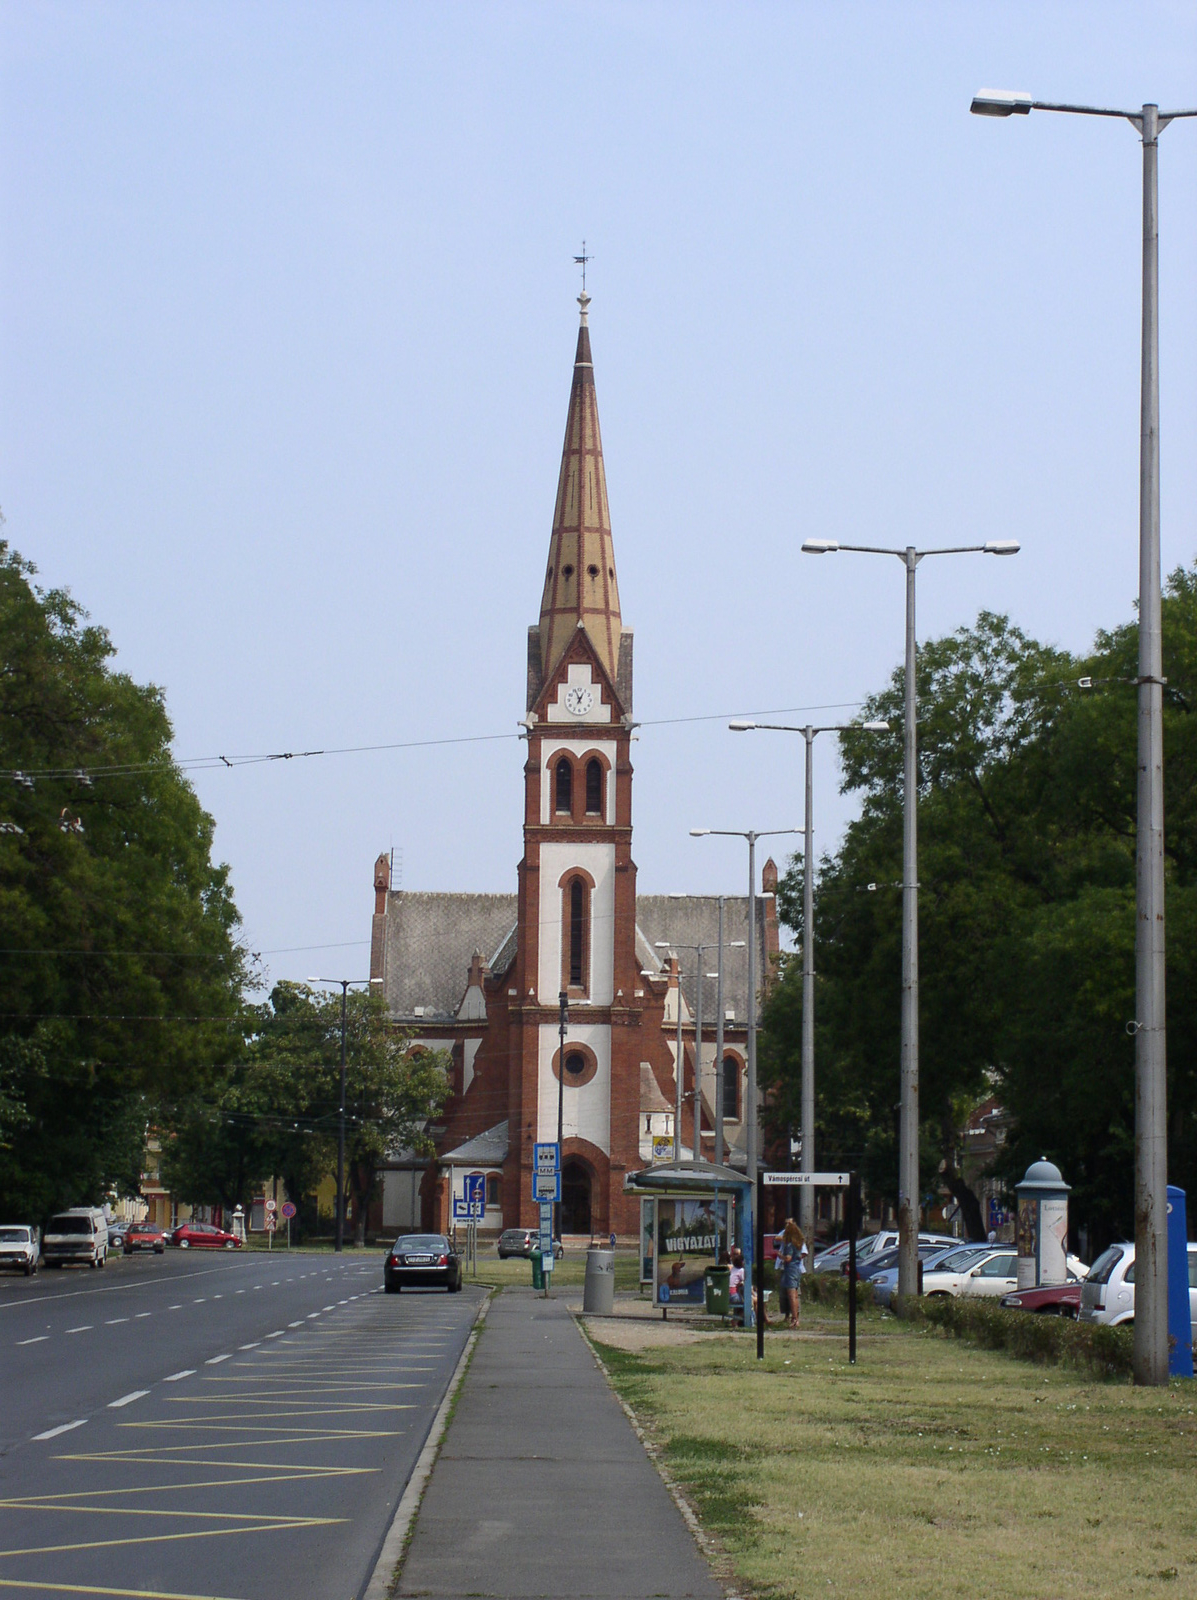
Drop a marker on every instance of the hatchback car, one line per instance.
(885, 1284)
(522, 1242)
(421, 1261)
(1049, 1299)
(203, 1236)
(19, 1249)
(1108, 1293)
(144, 1236)
(988, 1272)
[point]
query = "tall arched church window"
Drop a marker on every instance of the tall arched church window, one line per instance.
(731, 1089)
(594, 787)
(565, 786)
(577, 934)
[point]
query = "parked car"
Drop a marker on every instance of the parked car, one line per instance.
(144, 1236)
(422, 1261)
(203, 1236)
(1108, 1293)
(80, 1234)
(885, 1284)
(522, 1242)
(1050, 1299)
(19, 1248)
(888, 1240)
(983, 1270)
(882, 1262)
(831, 1259)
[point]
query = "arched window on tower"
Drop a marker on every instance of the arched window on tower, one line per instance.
(594, 787)
(577, 935)
(731, 1089)
(564, 799)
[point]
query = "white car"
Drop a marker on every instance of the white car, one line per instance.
(1108, 1293)
(19, 1248)
(992, 1272)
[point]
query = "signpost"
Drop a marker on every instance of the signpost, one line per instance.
(271, 1222)
(814, 1180)
(288, 1212)
(546, 1191)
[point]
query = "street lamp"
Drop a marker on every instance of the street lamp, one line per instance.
(562, 1024)
(346, 984)
(806, 1194)
(908, 1130)
(1151, 1072)
(699, 950)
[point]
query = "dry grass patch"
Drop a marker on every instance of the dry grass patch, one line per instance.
(930, 1469)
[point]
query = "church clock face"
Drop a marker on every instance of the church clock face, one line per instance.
(578, 700)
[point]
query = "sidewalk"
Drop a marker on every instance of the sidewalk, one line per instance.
(541, 1488)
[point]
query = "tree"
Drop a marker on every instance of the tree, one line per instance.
(122, 979)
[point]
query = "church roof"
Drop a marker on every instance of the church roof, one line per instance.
(487, 1149)
(690, 919)
(580, 588)
(430, 939)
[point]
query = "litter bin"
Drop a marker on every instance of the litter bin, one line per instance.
(716, 1284)
(537, 1261)
(598, 1293)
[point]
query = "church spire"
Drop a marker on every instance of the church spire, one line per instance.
(580, 587)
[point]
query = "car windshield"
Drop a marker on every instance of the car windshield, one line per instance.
(1100, 1271)
(416, 1242)
(144, 1227)
(955, 1259)
(14, 1235)
(70, 1225)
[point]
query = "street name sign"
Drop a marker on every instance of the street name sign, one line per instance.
(805, 1180)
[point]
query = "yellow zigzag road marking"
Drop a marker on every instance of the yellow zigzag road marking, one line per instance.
(150, 1511)
(92, 1588)
(299, 1474)
(265, 1526)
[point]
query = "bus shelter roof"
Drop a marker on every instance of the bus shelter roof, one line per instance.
(685, 1177)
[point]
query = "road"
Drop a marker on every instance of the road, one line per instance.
(212, 1425)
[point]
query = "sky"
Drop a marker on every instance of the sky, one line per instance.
(288, 320)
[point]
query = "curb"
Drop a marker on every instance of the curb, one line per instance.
(395, 1539)
(712, 1552)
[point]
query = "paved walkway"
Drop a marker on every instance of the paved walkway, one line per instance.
(541, 1487)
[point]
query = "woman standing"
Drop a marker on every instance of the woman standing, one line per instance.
(790, 1260)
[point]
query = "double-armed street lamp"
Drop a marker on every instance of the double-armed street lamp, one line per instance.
(699, 951)
(908, 1129)
(345, 985)
(806, 1195)
(1151, 1131)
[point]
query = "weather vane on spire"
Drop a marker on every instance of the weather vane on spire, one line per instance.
(581, 262)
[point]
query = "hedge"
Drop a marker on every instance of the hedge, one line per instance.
(1029, 1335)
(831, 1289)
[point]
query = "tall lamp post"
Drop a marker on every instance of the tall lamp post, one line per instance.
(345, 984)
(1151, 1130)
(806, 1195)
(699, 951)
(908, 1128)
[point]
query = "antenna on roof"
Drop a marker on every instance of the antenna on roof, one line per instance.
(581, 261)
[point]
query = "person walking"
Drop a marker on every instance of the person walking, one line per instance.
(791, 1264)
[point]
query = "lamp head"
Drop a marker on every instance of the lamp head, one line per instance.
(875, 727)
(735, 944)
(741, 727)
(1001, 547)
(699, 833)
(1001, 103)
(819, 547)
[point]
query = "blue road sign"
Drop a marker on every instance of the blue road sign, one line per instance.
(546, 1186)
(546, 1158)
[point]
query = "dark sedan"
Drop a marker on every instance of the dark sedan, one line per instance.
(421, 1261)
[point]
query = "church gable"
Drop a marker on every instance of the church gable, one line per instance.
(579, 690)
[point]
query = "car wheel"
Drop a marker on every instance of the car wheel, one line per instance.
(230, 1244)
(184, 1244)
(30, 1269)
(159, 1249)
(391, 1288)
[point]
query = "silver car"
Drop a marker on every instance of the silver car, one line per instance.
(19, 1249)
(1108, 1293)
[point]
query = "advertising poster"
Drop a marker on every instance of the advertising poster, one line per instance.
(1027, 1243)
(646, 1239)
(1053, 1239)
(690, 1235)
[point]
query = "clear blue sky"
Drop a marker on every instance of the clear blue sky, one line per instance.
(288, 323)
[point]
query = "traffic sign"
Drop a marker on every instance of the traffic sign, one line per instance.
(271, 1222)
(272, 1205)
(288, 1209)
(805, 1180)
(546, 1186)
(546, 1158)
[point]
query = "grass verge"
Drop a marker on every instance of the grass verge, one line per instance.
(930, 1470)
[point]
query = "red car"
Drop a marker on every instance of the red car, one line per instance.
(1055, 1300)
(143, 1236)
(203, 1236)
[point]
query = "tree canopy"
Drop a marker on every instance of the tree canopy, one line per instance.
(1027, 883)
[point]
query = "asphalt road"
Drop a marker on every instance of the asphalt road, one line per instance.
(212, 1425)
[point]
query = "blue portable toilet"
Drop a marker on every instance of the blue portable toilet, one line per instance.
(1180, 1326)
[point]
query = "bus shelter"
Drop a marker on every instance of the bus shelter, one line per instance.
(689, 1212)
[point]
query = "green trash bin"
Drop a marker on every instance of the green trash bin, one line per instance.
(537, 1261)
(716, 1282)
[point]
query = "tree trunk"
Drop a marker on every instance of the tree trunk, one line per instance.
(966, 1199)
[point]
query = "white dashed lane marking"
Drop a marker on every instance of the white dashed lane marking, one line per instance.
(214, 1361)
(127, 1399)
(65, 1427)
(187, 1372)
(84, 1327)
(37, 1339)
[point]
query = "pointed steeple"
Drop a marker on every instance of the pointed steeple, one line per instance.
(580, 586)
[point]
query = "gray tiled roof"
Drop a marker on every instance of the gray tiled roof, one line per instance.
(431, 939)
(487, 1149)
(694, 919)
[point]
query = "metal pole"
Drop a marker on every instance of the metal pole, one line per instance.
(681, 1060)
(340, 1239)
(758, 1274)
(719, 1048)
(806, 1195)
(750, 1112)
(699, 953)
(853, 1229)
(908, 1129)
(563, 1003)
(1151, 1134)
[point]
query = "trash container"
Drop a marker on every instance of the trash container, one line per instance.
(716, 1284)
(537, 1261)
(598, 1294)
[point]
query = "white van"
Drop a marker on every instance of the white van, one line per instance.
(80, 1234)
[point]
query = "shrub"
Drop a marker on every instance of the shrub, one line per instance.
(1030, 1336)
(830, 1289)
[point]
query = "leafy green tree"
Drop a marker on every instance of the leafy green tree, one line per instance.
(121, 983)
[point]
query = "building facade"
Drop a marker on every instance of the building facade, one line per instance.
(482, 975)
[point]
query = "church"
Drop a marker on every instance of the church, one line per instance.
(481, 975)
